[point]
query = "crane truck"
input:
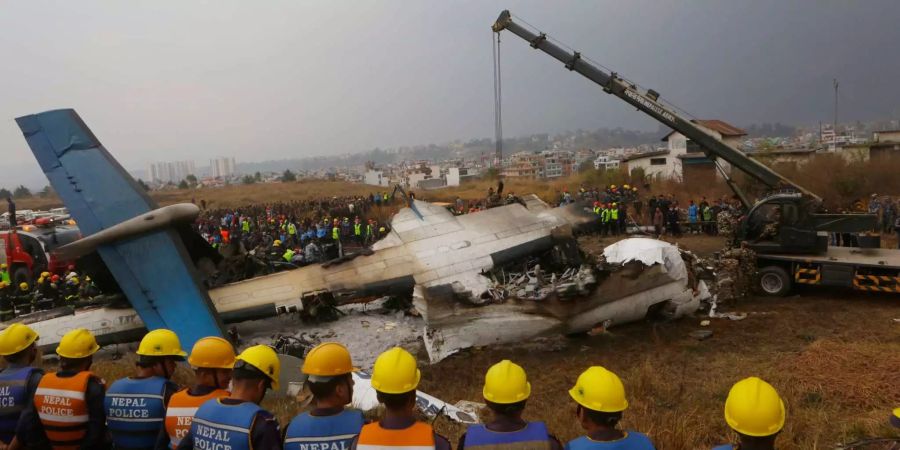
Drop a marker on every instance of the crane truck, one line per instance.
(799, 252)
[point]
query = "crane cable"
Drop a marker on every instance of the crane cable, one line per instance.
(498, 105)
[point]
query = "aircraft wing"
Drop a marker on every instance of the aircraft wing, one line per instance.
(153, 269)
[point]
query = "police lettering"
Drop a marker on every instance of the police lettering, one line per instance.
(49, 410)
(129, 402)
(338, 445)
(7, 401)
(129, 413)
(54, 400)
(209, 438)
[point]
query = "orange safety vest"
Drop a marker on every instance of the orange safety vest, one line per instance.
(420, 436)
(61, 405)
(180, 412)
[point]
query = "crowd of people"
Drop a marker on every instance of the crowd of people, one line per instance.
(221, 410)
(48, 292)
(298, 232)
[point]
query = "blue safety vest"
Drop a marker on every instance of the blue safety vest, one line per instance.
(13, 399)
(533, 436)
(632, 441)
(220, 426)
(135, 411)
(307, 432)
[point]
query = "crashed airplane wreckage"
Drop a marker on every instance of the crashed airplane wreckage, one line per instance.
(469, 275)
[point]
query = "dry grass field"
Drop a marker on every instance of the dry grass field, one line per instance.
(833, 356)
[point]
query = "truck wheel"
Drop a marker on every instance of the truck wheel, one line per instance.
(20, 275)
(774, 281)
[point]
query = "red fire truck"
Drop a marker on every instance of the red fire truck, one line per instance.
(27, 249)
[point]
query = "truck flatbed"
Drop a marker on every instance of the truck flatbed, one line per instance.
(871, 257)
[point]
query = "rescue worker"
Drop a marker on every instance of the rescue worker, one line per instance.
(605, 215)
(237, 422)
(601, 400)
(23, 299)
(755, 411)
(19, 379)
(67, 411)
(370, 231)
(506, 390)
(212, 359)
(357, 231)
(614, 219)
(395, 378)
(329, 370)
(145, 395)
(7, 308)
(288, 255)
(895, 418)
(4, 273)
(71, 291)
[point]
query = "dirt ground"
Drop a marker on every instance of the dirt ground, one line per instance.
(832, 354)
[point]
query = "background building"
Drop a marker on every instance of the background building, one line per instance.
(170, 172)
(221, 167)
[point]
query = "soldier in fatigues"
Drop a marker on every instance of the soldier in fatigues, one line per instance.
(736, 269)
(727, 266)
(725, 227)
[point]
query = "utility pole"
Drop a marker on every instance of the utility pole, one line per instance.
(834, 121)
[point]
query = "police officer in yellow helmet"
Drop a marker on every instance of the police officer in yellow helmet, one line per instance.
(755, 411)
(506, 390)
(19, 350)
(145, 394)
(600, 396)
(212, 359)
(237, 422)
(395, 378)
(70, 400)
(329, 370)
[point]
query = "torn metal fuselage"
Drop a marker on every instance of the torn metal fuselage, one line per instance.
(441, 259)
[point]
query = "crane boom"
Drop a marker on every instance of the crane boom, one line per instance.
(648, 102)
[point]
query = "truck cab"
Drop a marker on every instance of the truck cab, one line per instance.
(781, 223)
(27, 250)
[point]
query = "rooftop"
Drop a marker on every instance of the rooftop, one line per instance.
(720, 126)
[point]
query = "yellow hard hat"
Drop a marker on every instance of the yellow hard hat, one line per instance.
(506, 383)
(212, 352)
(3, 266)
(45, 274)
(754, 408)
(599, 389)
(265, 359)
(276, 243)
(327, 360)
(612, 186)
(161, 342)
(395, 372)
(23, 286)
(895, 418)
(634, 189)
(15, 338)
(78, 343)
(626, 186)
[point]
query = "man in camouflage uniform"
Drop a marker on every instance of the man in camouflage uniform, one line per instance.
(725, 227)
(727, 268)
(771, 228)
(736, 272)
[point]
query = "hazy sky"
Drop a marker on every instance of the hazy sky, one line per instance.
(164, 80)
